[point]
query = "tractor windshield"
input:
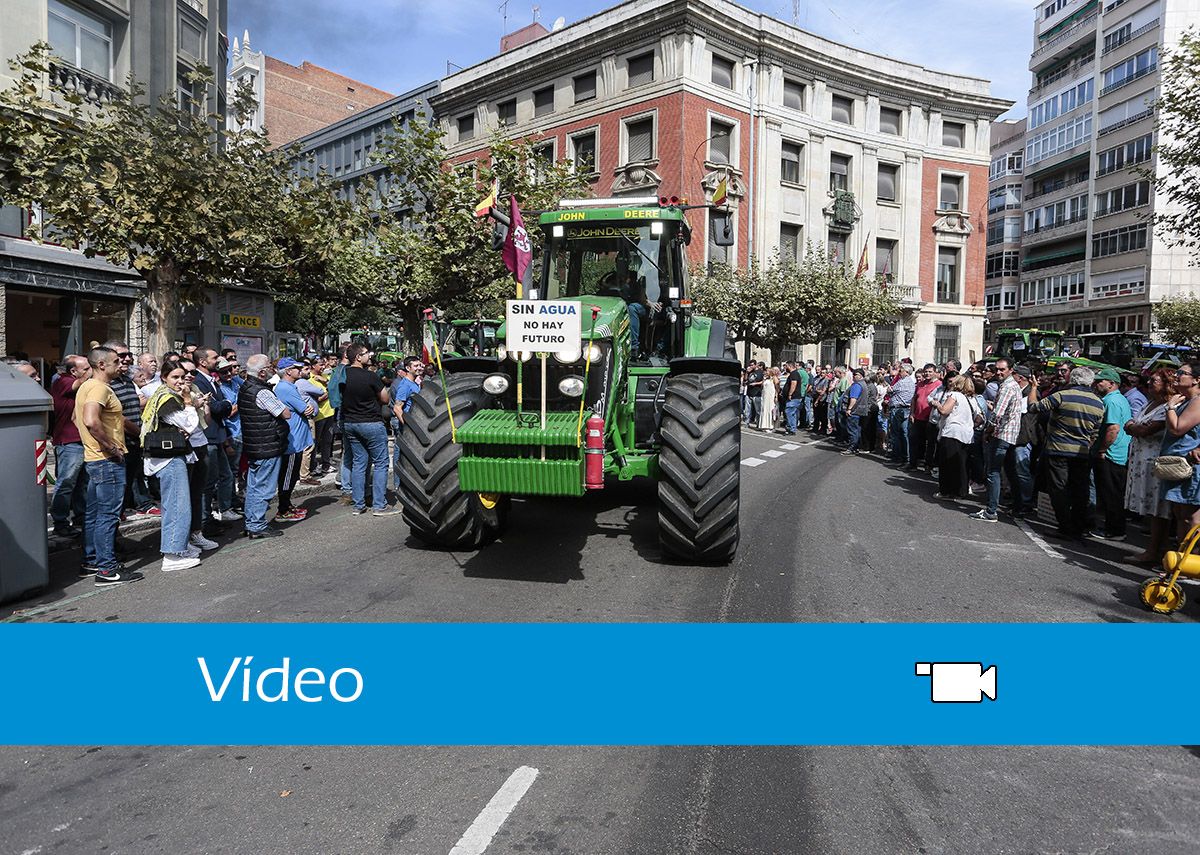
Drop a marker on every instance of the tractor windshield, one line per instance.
(618, 260)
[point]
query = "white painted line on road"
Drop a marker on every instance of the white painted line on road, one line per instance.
(773, 454)
(479, 836)
(791, 446)
(1039, 541)
(752, 462)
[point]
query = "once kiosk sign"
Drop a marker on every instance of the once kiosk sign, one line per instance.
(542, 326)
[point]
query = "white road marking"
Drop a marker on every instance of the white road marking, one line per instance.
(1039, 541)
(791, 446)
(479, 836)
(772, 454)
(752, 462)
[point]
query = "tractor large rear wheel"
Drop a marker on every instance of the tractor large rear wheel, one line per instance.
(436, 510)
(700, 469)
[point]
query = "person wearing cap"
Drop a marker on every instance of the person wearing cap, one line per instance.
(300, 437)
(1111, 455)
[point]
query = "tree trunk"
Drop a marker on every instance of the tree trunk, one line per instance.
(162, 307)
(414, 328)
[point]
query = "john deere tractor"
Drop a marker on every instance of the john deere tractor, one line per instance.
(663, 407)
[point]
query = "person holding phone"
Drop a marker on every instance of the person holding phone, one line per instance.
(197, 471)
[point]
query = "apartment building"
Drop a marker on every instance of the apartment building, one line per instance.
(293, 101)
(1089, 258)
(1005, 224)
(818, 141)
(55, 301)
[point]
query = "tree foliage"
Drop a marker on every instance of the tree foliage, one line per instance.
(1178, 319)
(165, 190)
(1178, 149)
(783, 302)
(441, 255)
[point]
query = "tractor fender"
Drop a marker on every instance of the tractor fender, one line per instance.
(705, 365)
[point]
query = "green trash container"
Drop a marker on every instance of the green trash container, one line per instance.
(24, 552)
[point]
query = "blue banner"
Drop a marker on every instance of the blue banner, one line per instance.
(597, 684)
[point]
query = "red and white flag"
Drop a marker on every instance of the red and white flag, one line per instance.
(518, 250)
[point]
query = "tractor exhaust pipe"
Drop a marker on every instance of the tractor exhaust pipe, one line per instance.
(593, 449)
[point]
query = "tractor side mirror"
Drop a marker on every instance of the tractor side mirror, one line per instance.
(499, 236)
(722, 225)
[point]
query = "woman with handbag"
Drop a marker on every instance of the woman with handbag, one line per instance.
(168, 422)
(1182, 436)
(956, 429)
(1143, 492)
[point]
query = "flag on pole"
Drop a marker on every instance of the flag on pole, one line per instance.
(862, 260)
(518, 250)
(485, 207)
(721, 192)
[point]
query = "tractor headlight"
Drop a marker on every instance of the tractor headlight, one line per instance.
(594, 353)
(571, 386)
(502, 353)
(568, 356)
(495, 384)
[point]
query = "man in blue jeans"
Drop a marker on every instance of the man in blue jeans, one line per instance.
(403, 389)
(796, 393)
(899, 400)
(101, 422)
(854, 410)
(1006, 424)
(264, 440)
(362, 394)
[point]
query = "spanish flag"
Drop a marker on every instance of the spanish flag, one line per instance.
(485, 207)
(721, 193)
(862, 261)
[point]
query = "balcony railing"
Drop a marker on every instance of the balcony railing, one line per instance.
(1065, 35)
(76, 81)
(903, 293)
(1073, 68)
(1126, 122)
(1055, 187)
(1040, 232)
(1137, 75)
(1140, 31)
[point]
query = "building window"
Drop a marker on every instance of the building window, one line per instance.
(1061, 103)
(950, 192)
(793, 94)
(1060, 288)
(506, 111)
(1006, 198)
(720, 142)
(641, 69)
(789, 242)
(543, 101)
(842, 109)
(1056, 214)
(1010, 299)
(1131, 69)
(1123, 198)
(1007, 263)
(191, 38)
(839, 172)
(722, 71)
(991, 301)
(836, 247)
(639, 140)
(13, 221)
(1127, 112)
(185, 94)
(789, 162)
(466, 127)
(83, 40)
(1120, 283)
(1127, 323)
(1053, 6)
(1058, 139)
(947, 277)
(583, 152)
(885, 259)
(718, 254)
(1007, 164)
(1117, 241)
(954, 134)
(1004, 230)
(945, 343)
(542, 159)
(889, 121)
(888, 173)
(1127, 154)
(883, 346)
(585, 87)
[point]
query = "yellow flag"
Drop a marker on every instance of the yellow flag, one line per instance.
(485, 207)
(722, 191)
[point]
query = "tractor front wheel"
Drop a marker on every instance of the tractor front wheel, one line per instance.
(700, 469)
(436, 510)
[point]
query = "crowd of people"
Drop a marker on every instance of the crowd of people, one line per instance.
(1087, 439)
(199, 441)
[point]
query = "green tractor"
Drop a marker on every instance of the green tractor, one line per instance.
(664, 407)
(469, 337)
(1032, 347)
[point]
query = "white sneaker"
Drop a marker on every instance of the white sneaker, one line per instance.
(179, 562)
(227, 516)
(198, 539)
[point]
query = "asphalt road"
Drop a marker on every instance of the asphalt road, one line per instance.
(825, 538)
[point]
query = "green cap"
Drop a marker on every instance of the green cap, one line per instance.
(1109, 374)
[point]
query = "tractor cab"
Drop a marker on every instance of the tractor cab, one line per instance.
(1116, 349)
(1028, 345)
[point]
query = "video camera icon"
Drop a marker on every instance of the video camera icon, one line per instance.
(958, 682)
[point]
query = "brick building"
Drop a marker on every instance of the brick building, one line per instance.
(294, 101)
(819, 142)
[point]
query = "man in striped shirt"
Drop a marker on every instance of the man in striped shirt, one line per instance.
(1075, 417)
(1006, 424)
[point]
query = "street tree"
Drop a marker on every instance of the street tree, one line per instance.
(1178, 319)
(1178, 174)
(440, 254)
(165, 190)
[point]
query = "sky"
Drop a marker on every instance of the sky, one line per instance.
(397, 45)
